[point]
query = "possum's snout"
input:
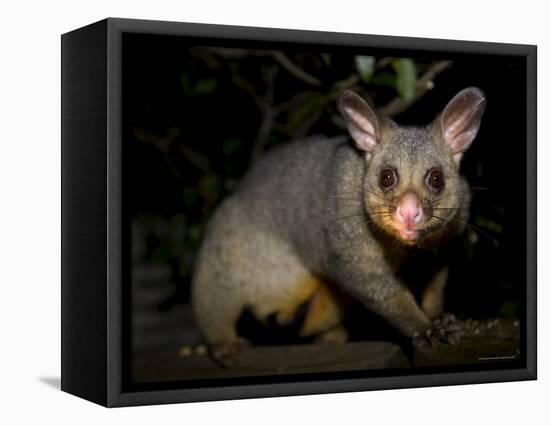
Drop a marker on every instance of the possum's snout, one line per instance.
(408, 215)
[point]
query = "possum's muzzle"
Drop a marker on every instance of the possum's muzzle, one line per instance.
(408, 214)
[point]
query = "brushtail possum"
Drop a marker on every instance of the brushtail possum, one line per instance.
(325, 212)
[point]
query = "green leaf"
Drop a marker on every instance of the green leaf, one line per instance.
(310, 106)
(208, 186)
(231, 146)
(479, 169)
(488, 224)
(327, 59)
(510, 309)
(195, 233)
(365, 67)
(200, 87)
(189, 196)
(469, 245)
(384, 79)
(406, 77)
(205, 86)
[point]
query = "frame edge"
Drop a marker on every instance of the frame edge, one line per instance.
(83, 273)
(116, 397)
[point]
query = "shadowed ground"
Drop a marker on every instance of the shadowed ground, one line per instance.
(168, 348)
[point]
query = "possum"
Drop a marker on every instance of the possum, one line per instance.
(347, 213)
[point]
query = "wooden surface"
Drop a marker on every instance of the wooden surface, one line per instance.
(493, 342)
(167, 344)
(268, 360)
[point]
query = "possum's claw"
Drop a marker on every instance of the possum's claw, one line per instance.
(225, 354)
(445, 329)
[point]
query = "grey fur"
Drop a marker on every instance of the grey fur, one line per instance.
(306, 209)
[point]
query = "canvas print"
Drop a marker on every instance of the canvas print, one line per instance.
(294, 210)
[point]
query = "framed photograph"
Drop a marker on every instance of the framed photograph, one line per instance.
(252, 212)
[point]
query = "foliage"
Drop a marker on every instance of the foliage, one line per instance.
(232, 105)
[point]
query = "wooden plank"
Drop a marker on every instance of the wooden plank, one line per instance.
(487, 342)
(268, 360)
(494, 340)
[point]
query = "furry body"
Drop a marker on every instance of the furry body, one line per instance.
(291, 225)
(366, 218)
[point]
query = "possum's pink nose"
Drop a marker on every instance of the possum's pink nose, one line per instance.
(409, 210)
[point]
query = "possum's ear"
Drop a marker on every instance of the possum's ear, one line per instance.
(461, 118)
(361, 120)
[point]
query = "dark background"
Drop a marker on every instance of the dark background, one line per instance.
(195, 118)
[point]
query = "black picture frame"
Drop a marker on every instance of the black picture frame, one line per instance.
(93, 305)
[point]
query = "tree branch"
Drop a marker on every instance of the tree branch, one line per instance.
(279, 56)
(295, 70)
(424, 83)
(164, 145)
(268, 115)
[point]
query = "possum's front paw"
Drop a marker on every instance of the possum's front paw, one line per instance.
(445, 329)
(225, 354)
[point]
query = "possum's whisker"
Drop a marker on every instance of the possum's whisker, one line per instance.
(461, 191)
(434, 224)
(350, 216)
(381, 210)
(440, 218)
(448, 194)
(355, 185)
(480, 231)
(348, 198)
(375, 192)
(380, 204)
(445, 208)
(355, 210)
(356, 216)
(370, 190)
(444, 198)
(475, 228)
(480, 188)
(381, 218)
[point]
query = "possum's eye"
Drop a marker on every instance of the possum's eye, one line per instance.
(435, 180)
(388, 178)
